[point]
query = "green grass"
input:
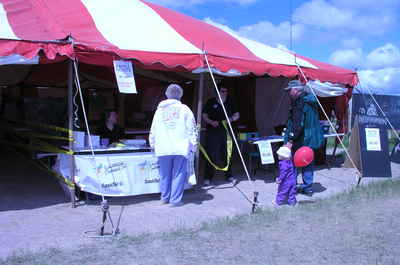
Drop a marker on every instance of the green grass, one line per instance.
(336, 228)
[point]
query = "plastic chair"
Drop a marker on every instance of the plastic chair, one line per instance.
(252, 153)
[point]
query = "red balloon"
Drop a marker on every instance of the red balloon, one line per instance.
(303, 156)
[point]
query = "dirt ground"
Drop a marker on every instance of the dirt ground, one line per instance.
(34, 215)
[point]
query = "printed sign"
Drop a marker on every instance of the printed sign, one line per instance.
(368, 112)
(266, 154)
(122, 174)
(125, 78)
(373, 139)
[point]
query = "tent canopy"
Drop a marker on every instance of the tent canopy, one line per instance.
(154, 37)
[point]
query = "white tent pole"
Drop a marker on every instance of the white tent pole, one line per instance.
(86, 120)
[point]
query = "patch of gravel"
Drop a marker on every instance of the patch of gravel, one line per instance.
(35, 217)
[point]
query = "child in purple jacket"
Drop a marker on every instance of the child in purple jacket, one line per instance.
(287, 178)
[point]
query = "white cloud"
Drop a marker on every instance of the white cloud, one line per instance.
(343, 19)
(369, 5)
(385, 56)
(349, 58)
(380, 68)
(266, 32)
(382, 81)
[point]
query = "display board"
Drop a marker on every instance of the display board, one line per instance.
(365, 107)
(369, 147)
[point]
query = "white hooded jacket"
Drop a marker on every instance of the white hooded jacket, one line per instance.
(173, 130)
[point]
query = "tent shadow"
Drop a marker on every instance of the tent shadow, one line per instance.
(194, 195)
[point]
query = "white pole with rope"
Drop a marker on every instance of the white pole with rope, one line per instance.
(104, 203)
(254, 202)
(330, 123)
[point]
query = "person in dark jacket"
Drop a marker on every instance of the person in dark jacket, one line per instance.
(216, 137)
(110, 130)
(303, 128)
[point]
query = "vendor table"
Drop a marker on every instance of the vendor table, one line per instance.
(279, 139)
(115, 171)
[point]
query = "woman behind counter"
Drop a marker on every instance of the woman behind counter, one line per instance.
(110, 129)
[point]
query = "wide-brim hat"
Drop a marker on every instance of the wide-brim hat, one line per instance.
(295, 84)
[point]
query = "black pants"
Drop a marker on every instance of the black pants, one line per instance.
(216, 150)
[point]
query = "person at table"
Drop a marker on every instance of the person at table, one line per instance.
(303, 129)
(216, 136)
(109, 128)
(173, 136)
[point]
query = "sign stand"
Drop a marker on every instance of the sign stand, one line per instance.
(369, 148)
(106, 214)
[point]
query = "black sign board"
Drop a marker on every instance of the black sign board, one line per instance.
(374, 150)
(369, 148)
(364, 105)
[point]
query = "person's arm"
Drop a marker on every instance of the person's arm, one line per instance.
(153, 131)
(121, 133)
(209, 121)
(191, 130)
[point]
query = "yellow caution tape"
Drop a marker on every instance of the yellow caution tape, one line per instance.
(41, 125)
(229, 146)
(41, 165)
(44, 136)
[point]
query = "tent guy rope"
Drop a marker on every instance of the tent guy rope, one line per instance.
(104, 203)
(254, 202)
(331, 124)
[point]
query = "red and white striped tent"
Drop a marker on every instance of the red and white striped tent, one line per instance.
(153, 37)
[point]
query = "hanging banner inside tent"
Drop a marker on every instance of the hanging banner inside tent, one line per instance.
(266, 154)
(125, 78)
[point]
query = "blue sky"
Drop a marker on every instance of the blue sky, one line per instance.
(356, 34)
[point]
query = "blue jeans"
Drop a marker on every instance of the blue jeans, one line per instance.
(173, 176)
(308, 178)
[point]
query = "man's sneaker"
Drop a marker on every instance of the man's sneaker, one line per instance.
(231, 179)
(207, 182)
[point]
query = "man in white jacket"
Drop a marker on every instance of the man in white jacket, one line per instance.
(173, 136)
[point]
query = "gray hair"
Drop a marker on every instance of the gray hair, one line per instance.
(174, 91)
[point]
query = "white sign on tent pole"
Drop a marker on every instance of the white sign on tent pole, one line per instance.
(266, 154)
(125, 78)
